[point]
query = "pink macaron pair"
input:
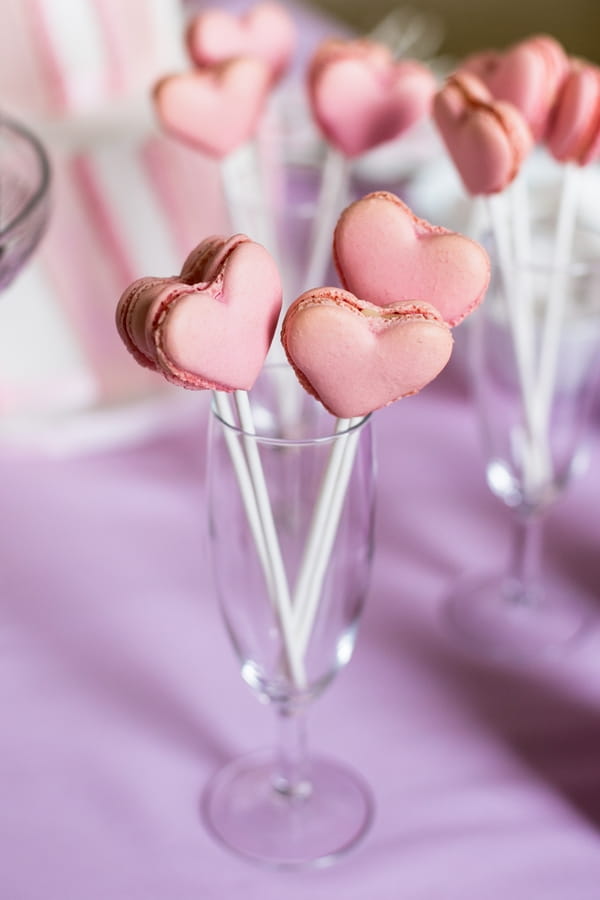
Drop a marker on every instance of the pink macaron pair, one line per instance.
(217, 105)
(387, 334)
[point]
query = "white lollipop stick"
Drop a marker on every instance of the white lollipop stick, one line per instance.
(251, 213)
(273, 550)
(332, 198)
(234, 179)
(558, 299)
(535, 462)
(323, 530)
(524, 312)
(502, 236)
(245, 485)
(244, 197)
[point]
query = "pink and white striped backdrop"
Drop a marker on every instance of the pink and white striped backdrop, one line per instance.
(126, 200)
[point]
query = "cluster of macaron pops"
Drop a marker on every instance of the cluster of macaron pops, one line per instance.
(382, 336)
(226, 105)
(236, 61)
(405, 283)
(491, 113)
(497, 105)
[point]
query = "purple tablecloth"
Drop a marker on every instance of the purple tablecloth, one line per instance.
(120, 695)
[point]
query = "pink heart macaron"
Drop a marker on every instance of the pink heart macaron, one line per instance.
(215, 109)
(385, 254)
(574, 134)
(266, 31)
(487, 139)
(356, 357)
(361, 98)
(528, 75)
(210, 327)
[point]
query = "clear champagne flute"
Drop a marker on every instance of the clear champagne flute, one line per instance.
(287, 807)
(533, 441)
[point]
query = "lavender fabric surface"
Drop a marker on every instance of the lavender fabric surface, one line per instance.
(120, 694)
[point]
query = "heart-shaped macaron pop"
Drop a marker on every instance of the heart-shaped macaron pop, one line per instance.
(210, 327)
(361, 97)
(487, 139)
(356, 357)
(265, 31)
(385, 254)
(215, 109)
(528, 75)
(574, 133)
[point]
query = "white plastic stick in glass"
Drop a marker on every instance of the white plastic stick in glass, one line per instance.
(273, 550)
(234, 174)
(223, 406)
(246, 202)
(333, 195)
(524, 312)
(323, 530)
(535, 451)
(558, 299)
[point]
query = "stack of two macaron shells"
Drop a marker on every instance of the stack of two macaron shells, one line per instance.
(383, 336)
(211, 326)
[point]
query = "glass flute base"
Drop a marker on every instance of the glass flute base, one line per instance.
(489, 617)
(244, 809)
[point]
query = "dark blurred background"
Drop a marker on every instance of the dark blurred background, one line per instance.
(478, 24)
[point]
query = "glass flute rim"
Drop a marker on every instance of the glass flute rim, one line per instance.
(323, 439)
(44, 169)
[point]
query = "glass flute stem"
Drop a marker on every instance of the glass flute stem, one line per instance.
(526, 557)
(292, 777)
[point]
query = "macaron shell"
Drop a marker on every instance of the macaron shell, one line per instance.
(214, 110)
(385, 254)
(266, 30)
(355, 357)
